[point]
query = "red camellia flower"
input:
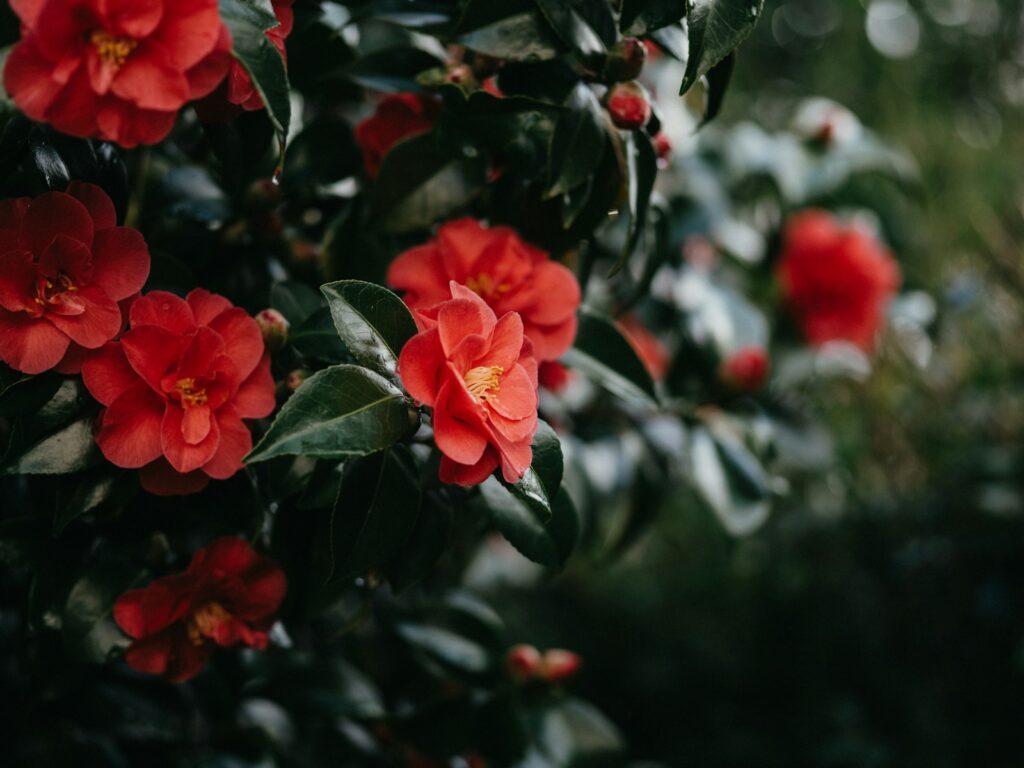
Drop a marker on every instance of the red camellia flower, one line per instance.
(118, 70)
(507, 273)
(398, 116)
(237, 92)
(745, 370)
(648, 347)
(64, 266)
(177, 386)
(228, 595)
(479, 375)
(629, 105)
(836, 278)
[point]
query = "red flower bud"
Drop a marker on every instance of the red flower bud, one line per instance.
(558, 665)
(274, 328)
(662, 146)
(629, 105)
(554, 376)
(522, 662)
(296, 379)
(745, 370)
(625, 61)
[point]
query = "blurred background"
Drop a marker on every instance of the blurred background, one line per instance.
(878, 618)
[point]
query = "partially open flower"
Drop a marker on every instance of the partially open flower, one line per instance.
(64, 266)
(177, 386)
(478, 374)
(228, 596)
(274, 328)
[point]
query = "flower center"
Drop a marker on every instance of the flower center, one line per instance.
(190, 394)
(483, 285)
(112, 49)
(205, 620)
(484, 381)
(51, 291)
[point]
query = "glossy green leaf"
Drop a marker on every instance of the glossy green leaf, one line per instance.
(578, 142)
(540, 483)
(89, 631)
(573, 30)
(377, 507)
(603, 353)
(372, 321)
(340, 412)
(22, 394)
(94, 489)
(391, 69)
(248, 22)
(548, 542)
(295, 300)
(716, 28)
(426, 545)
(317, 338)
(69, 449)
(719, 77)
(641, 17)
(730, 480)
(418, 184)
(642, 172)
(513, 31)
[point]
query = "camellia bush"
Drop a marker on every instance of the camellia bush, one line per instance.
(312, 314)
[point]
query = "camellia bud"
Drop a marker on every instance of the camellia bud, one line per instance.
(625, 61)
(296, 379)
(263, 195)
(745, 370)
(274, 328)
(629, 105)
(461, 74)
(662, 146)
(557, 665)
(522, 662)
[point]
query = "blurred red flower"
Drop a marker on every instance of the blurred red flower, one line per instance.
(237, 92)
(118, 70)
(506, 272)
(177, 385)
(64, 266)
(836, 278)
(398, 116)
(746, 369)
(228, 595)
(479, 375)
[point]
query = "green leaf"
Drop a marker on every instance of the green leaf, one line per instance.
(317, 338)
(522, 35)
(89, 631)
(541, 481)
(391, 69)
(295, 300)
(642, 171)
(716, 28)
(377, 507)
(93, 490)
(69, 449)
(22, 395)
(603, 353)
(418, 184)
(372, 321)
(425, 546)
(548, 542)
(718, 83)
(573, 30)
(641, 17)
(340, 412)
(578, 143)
(248, 22)
(729, 479)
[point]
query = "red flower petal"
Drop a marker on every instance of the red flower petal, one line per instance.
(460, 318)
(204, 77)
(17, 281)
(152, 352)
(506, 342)
(235, 443)
(196, 424)
(120, 261)
(97, 202)
(56, 213)
(30, 345)
(161, 479)
(255, 397)
(107, 374)
(420, 364)
(200, 353)
(165, 310)
(74, 109)
(420, 272)
(182, 456)
(149, 81)
(27, 10)
(516, 396)
(99, 322)
(468, 476)
(463, 440)
(129, 434)
(135, 18)
(190, 33)
(242, 339)
(27, 77)
(461, 243)
(170, 654)
(206, 306)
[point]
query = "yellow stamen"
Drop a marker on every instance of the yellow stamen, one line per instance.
(204, 622)
(190, 395)
(113, 50)
(484, 381)
(483, 285)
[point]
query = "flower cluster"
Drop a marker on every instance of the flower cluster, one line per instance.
(476, 370)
